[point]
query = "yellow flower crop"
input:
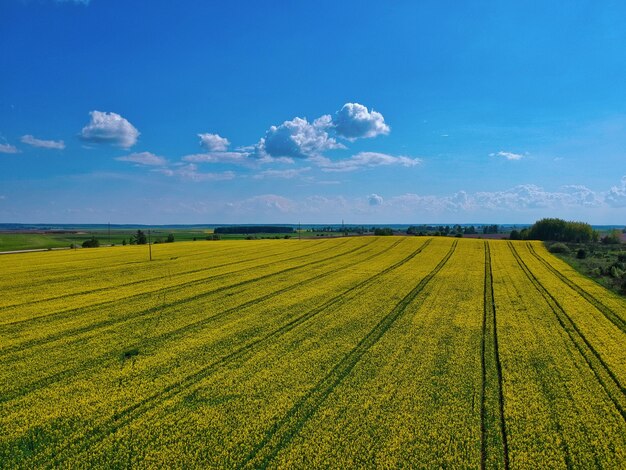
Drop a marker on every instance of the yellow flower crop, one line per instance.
(352, 352)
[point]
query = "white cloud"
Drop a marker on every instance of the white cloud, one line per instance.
(616, 196)
(507, 155)
(375, 200)
(298, 139)
(283, 174)
(354, 121)
(143, 158)
(8, 148)
(266, 204)
(190, 172)
(366, 160)
(46, 144)
(109, 128)
(218, 157)
(213, 142)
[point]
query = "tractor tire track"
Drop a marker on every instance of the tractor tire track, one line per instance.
(605, 376)
(135, 411)
(283, 431)
(494, 445)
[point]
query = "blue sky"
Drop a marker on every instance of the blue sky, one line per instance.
(283, 112)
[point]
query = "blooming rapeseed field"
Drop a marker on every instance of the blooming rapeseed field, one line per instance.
(351, 352)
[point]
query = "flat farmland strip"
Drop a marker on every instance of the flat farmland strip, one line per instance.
(410, 251)
(414, 397)
(267, 381)
(128, 309)
(557, 413)
(102, 295)
(99, 300)
(101, 350)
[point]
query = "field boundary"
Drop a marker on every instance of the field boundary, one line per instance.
(607, 379)
(605, 310)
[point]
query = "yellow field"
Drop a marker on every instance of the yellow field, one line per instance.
(352, 352)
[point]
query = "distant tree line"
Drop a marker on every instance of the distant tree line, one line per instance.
(242, 229)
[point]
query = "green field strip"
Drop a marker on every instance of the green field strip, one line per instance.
(612, 316)
(613, 388)
(133, 284)
(92, 303)
(132, 413)
(494, 447)
(283, 431)
(172, 335)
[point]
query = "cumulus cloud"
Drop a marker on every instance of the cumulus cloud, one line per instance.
(213, 142)
(109, 128)
(190, 172)
(218, 157)
(298, 138)
(366, 160)
(143, 158)
(616, 197)
(507, 155)
(8, 148)
(282, 174)
(46, 144)
(374, 200)
(354, 121)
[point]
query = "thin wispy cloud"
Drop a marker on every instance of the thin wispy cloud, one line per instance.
(8, 148)
(282, 174)
(367, 160)
(40, 143)
(143, 158)
(507, 155)
(191, 172)
(218, 157)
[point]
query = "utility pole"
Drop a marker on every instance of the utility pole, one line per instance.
(150, 244)
(109, 233)
(299, 232)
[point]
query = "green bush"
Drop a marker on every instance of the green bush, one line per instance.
(558, 248)
(93, 242)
